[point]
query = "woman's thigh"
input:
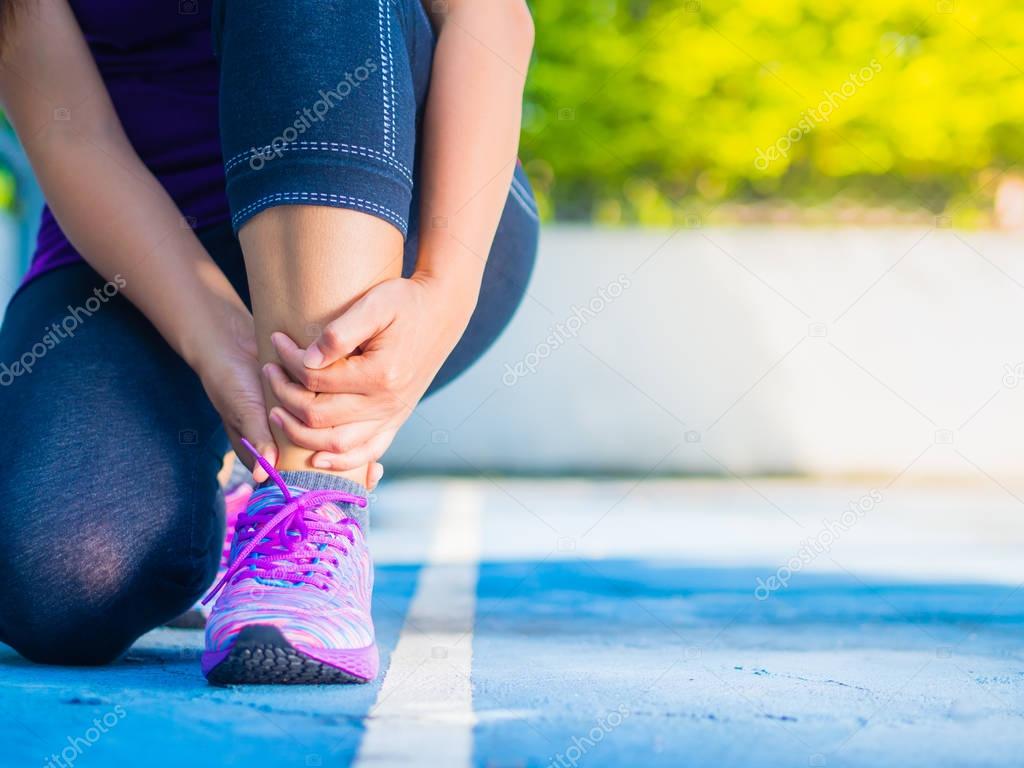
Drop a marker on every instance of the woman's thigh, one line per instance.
(107, 472)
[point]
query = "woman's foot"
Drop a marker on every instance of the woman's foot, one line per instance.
(295, 605)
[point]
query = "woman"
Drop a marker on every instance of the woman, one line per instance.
(301, 273)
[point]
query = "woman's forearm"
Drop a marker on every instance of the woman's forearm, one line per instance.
(470, 137)
(108, 204)
(122, 222)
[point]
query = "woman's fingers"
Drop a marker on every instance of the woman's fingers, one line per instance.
(345, 334)
(331, 439)
(315, 410)
(262, 443)
(249, 420)
(374, 475)
(368, 452)
(343, 377)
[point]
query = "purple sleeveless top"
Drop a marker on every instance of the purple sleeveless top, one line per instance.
(156, 59)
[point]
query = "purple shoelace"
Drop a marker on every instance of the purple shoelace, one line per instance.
(283, 527)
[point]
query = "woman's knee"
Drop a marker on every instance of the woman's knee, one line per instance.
(68, 634)
(82, 591)
(318, 107)
(83, 613)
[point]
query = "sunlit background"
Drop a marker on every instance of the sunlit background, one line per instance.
(646, 112)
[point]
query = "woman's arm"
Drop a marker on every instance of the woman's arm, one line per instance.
(470, 136)
(115, 212)
(406, 328)
(108, 204)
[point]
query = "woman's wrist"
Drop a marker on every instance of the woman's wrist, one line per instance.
(456, 285)
(453, 297)
(216, 331)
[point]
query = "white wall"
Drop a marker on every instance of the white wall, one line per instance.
(751, 350)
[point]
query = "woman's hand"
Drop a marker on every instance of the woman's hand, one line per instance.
(346, 396)
(229, 371)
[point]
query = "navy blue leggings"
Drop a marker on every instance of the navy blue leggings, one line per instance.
(111, 515)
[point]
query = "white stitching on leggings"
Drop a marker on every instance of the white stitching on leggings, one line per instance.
(356, 202)
(325, 146)
(522, 187)
(242, 156)
(517, 196)
(523, 194)
(383, 74)
(391, 81)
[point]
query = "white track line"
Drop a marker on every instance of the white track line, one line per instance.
(424, 710)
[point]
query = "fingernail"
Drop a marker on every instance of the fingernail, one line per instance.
(313, 358)
(276, 418)
(321, 463)
(267, 369)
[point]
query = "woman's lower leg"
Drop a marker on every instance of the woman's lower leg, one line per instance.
(306, 265)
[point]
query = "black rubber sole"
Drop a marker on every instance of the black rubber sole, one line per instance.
(262, 656)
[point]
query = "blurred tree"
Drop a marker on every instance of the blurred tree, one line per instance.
(645, 110)
(653, 111)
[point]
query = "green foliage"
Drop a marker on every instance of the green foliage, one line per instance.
(7, 190)
(639, 110)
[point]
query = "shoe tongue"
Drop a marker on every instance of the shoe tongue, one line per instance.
(328, 511)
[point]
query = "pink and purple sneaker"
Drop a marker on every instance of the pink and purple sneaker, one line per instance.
(294, 604)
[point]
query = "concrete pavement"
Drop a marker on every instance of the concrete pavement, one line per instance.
(577, 622)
